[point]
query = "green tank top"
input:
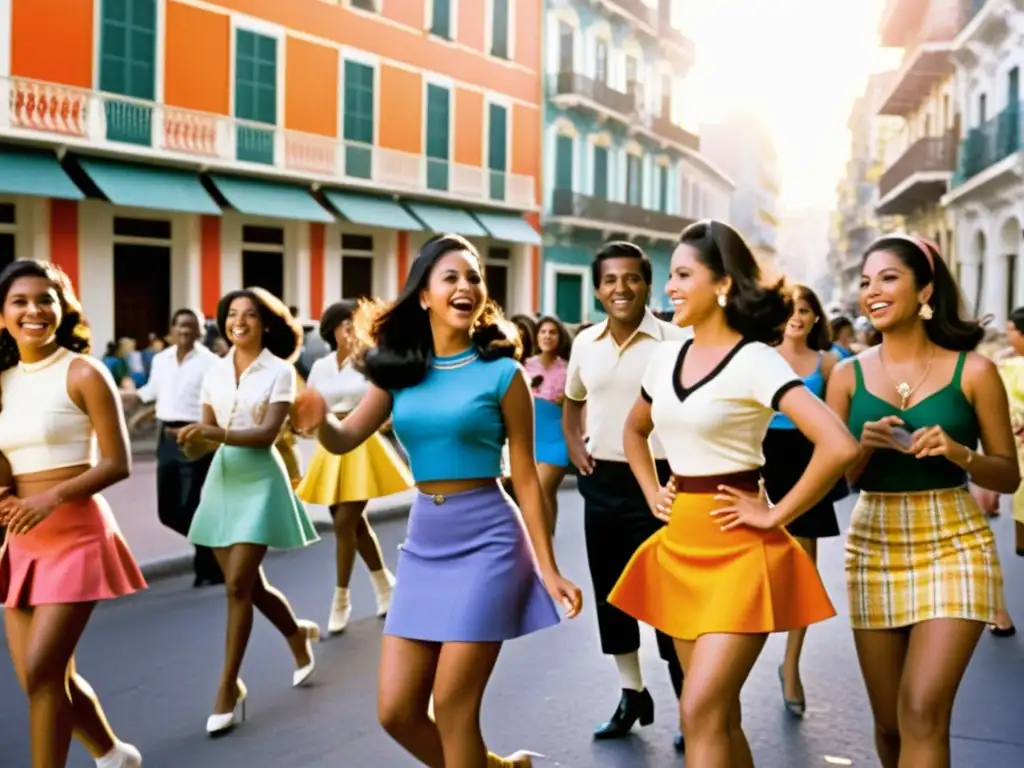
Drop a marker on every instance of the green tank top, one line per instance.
(890, 471)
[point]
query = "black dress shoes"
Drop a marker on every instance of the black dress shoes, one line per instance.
(633, 706)
(679, 743)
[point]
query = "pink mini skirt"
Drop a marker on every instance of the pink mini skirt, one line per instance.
(76, 555)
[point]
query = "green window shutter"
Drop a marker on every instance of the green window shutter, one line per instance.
(128, 48)
(663, 188)
(634, 180)
(359, 117)
(568, 297)
(438, 135)
(256, 77)
(499, 29)
(563, 163)
(441, 24)
(601, 172)
(498, 139)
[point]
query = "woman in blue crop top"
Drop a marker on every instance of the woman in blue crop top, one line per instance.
(787, 452)
(922, 572)
(441, 366)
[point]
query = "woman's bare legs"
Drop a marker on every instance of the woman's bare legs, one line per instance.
(793, 687)
(550, 479)
(404, 684)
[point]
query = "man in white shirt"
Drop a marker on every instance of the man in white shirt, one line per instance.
(605, 369)
(174, 384)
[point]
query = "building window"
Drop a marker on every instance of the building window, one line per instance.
(142, 277)
(358, 127)
(497, 155)
(601, 61)
(663, 188)
(263, 258)
(441, 18)
(438, 136)
(496, 272)
(563, 162)
(366, 5)
(8, 240)
(356, 266)
(569, 296)
(128, 67)
(255, 94)
(601, 172)
(634, 180)
(500, 29)
(566, 46)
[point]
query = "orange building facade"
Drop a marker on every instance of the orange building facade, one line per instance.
(166, 151)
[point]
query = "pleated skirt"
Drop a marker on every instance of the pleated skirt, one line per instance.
(371, 471)
(911, 557)
(248, 499)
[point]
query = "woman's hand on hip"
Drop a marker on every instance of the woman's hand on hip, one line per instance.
(743, 508)
(661, 504)
(25, 514)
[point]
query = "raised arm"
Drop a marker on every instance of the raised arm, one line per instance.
(342, 436)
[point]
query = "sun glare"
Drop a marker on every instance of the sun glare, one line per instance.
(800, 64)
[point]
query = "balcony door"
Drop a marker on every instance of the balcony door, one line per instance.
(601, 61)
(601, 172)
(564, 146)
(566, 47)
(635, 180)
(569, 288)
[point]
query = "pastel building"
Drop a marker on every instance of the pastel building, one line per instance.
(166, 151)
(618, 162)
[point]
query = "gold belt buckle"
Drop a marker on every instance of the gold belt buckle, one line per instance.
(438, 499)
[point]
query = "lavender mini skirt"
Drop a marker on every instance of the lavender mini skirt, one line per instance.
(467, 573)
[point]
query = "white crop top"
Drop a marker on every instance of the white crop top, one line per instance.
(342, 388)
(717, 425)
(41, 428)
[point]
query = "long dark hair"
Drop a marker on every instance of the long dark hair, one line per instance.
(754, 308)
(947, 328)
(282, 333)
(73, 332)
(396, 336)
(820, 337)
(564, 339)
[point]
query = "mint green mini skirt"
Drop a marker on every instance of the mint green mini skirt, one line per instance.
(248, 499)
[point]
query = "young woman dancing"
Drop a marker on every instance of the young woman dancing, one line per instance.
(345, 483)
(247, 504)
(547, 371)
(922, 570)
(442, 367)
(805, 346)
(724, 573)
(64, 551)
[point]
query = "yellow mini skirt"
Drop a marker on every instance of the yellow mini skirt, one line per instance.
(691, 578)
(371, 471)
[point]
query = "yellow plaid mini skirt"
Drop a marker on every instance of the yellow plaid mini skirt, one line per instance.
(911, 557)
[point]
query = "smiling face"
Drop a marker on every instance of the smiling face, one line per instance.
(889, 295)
(548, 337)
(455, 292)
(692, 287)
(621, 290)
(185, 330)
(243, 324)
(32, 313)
(802, 321)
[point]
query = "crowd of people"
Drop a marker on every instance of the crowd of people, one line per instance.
(710, 446)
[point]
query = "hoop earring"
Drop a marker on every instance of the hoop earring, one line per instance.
(926, 312)
(722, 301)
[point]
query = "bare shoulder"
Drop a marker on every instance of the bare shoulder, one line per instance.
(86, 370)
(979, 367)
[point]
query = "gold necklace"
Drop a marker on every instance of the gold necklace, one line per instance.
(903, 388)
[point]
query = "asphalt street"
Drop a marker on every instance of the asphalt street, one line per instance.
(155, 658)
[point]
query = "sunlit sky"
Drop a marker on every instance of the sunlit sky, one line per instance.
(800, 64)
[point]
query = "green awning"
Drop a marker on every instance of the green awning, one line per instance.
(149, 186)
(509, 227)
(444, 220)
(256, 197)
(30, 172)
(372, 211)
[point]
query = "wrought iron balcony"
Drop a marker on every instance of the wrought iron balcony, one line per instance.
(919, 177)
(137, 129)
(601, 95)
(610, 215)
(992, 141)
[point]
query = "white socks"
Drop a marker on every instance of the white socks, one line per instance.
(382, 580)
(629, 671)
(341, 597)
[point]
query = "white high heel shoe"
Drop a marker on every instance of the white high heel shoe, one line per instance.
(302, 674)
(341, 612)
(220, 723)
(121, 756)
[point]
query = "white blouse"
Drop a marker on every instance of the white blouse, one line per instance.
(267, 380)
(716, 425)
(342, 388)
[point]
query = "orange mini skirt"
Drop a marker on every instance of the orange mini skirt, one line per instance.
(691, 578)
(76, 555)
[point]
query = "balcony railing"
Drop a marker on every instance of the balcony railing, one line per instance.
(992, 141)
(674, 37)
(927, 155)
(602, 94)
(639, 10)
(144, 130)
(663, 126)
(609, 213)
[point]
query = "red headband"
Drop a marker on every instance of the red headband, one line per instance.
(927, 247)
